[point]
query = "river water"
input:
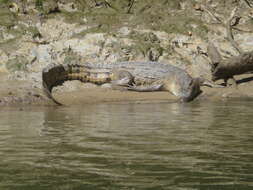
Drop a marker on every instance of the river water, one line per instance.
(198, 145)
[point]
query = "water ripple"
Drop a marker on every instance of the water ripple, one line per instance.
(135, 146)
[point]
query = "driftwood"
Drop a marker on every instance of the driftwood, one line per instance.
(235, 65)
(214, 55)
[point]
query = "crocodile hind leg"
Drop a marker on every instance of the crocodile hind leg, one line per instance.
(124, 80)
(121, 80)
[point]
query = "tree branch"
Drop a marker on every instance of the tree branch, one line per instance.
(229, 30)
(235, 65)
(248, 3)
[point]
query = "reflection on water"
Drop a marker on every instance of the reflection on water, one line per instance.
(128, 146)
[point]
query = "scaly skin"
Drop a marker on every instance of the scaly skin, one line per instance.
(136, 76)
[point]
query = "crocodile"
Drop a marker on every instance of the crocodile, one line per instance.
(135, 76)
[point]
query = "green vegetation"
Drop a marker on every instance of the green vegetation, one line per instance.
(108, 16)
(7, 18)
(144, 42)
(17, 64)
(39, 5)
(4, 2)
(112, 14)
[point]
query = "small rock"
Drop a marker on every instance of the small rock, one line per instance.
(154, 54)
(124, 31)
(13, 7)
(198, 7)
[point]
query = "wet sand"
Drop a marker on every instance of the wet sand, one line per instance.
(98, 95)
(244, 90)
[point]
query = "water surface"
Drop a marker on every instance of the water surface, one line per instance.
(128, 146)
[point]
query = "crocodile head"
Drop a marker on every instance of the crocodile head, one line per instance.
(193, 90)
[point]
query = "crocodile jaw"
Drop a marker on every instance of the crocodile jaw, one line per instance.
(193, 91)
(185, 91)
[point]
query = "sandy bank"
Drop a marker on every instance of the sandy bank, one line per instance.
(22, 93)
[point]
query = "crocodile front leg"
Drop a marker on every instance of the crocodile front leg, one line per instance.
(124, 80)
(121, 79)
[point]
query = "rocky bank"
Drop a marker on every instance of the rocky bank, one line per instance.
(35, 33)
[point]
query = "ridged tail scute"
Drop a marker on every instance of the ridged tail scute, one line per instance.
(50, 78)
(55, 75)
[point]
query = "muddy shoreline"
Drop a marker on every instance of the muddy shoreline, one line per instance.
(16, 93)
(34, 34)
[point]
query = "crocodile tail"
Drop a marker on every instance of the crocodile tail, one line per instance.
(49, 95)
(54, 75)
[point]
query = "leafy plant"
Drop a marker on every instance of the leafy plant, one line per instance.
(39, 4)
